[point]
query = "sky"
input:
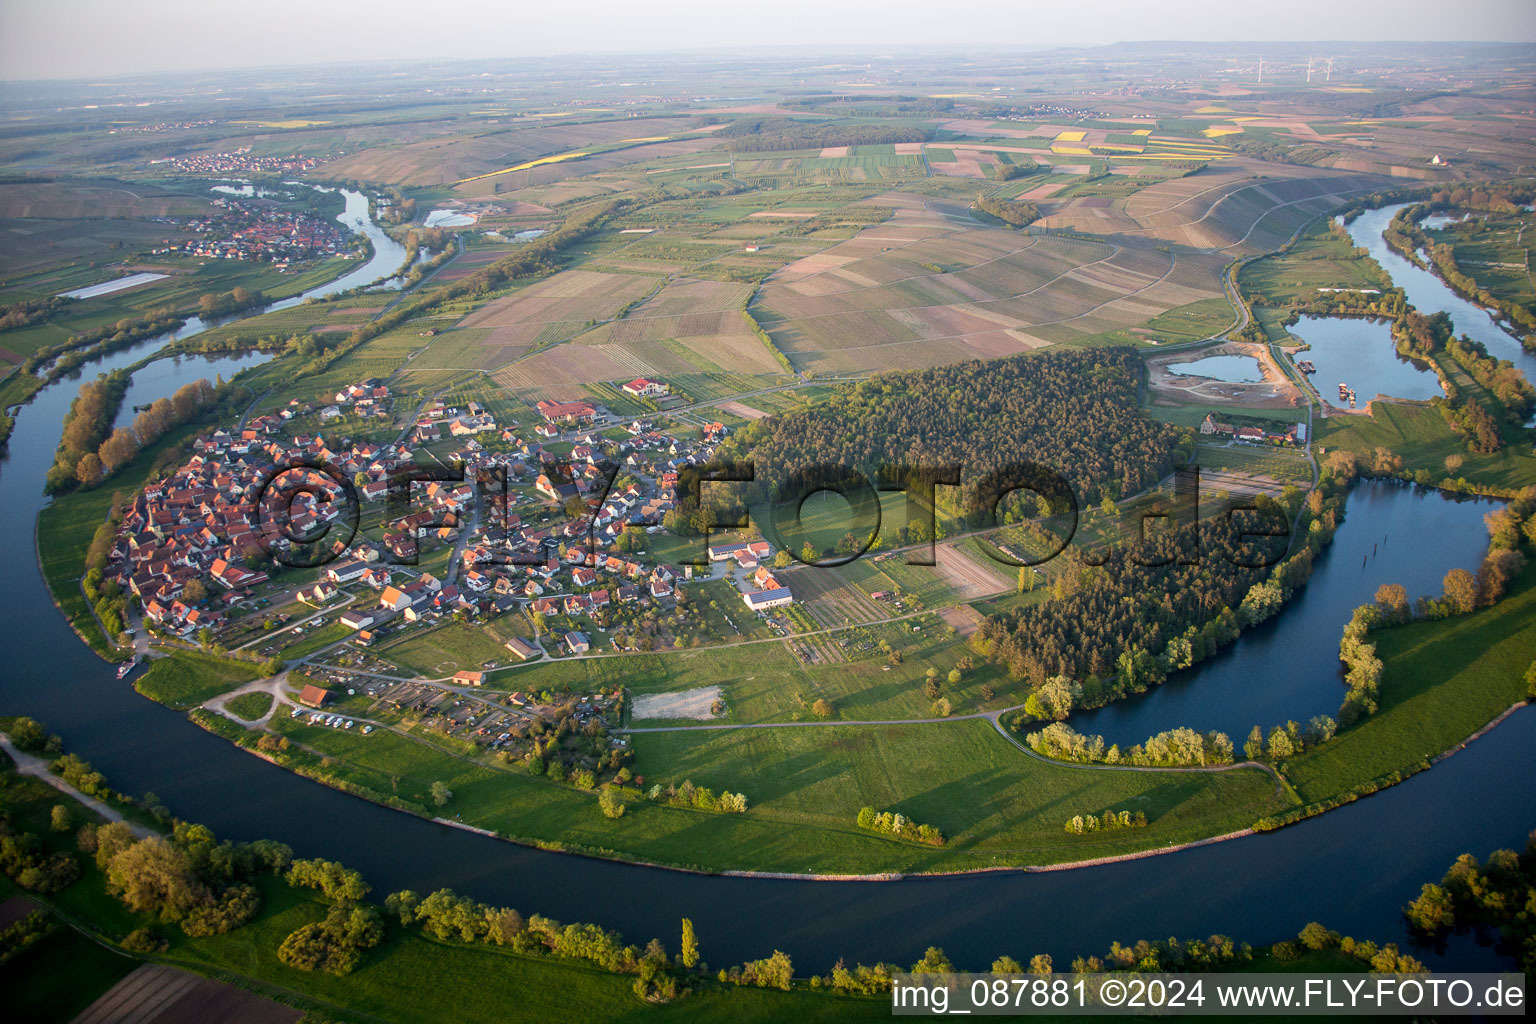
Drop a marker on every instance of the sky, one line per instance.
(100, 38)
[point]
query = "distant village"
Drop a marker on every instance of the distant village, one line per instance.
(240, 162)
(270, 234)
(526, 553)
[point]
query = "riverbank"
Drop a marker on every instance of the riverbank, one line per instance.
(1409, 240)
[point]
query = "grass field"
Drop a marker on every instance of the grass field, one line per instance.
(1443, 681)
(187, 678)
(314, 640)
(1492, 250)
(1321, 258)
(447, 649)
(250, 706)
(806, 785)
(1425, 441)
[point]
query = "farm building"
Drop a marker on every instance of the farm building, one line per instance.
(760, 600)
(314, 696)
(641, 387)
(357, 619)
(566, 412)
(521, 648)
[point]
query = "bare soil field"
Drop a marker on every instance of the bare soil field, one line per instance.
(1236, 205)
(963, 617)
(746, 412)
(830, 599)
(967, 577)
(31, 244)
(70, 200)
(694, 704)
(554, 309)
(449, 158)
(1239, 483)
(155, 994)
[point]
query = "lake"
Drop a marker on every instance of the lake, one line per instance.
(1361, 353)
(1232, 369)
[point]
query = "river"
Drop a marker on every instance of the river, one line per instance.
(1428, 294)
(1352, 868)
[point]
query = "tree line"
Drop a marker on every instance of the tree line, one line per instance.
(899, 825)
(88, 454)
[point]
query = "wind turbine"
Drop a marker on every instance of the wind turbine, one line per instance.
(1330, 70)
(1309, 70)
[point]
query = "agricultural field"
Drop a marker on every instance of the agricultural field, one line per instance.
(927, 287)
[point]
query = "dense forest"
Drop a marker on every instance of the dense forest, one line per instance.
(1073, 413)
(1124, 619)
(768, 134)
(1109, 621)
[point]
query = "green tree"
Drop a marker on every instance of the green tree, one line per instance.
(28, 733)
(1280, 745)
(59, 819)
(1432, 911)
(1315, 936)
(1254, 748)
(610, 803)
(441, 794)
(690, 953)
(1461, 590)
(933, 962)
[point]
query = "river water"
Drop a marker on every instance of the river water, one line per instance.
(1353, 868)
(1288, 667)
(1428, 294)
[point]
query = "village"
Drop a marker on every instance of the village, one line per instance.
(270, 234)
(521, 552)
(240, 161)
